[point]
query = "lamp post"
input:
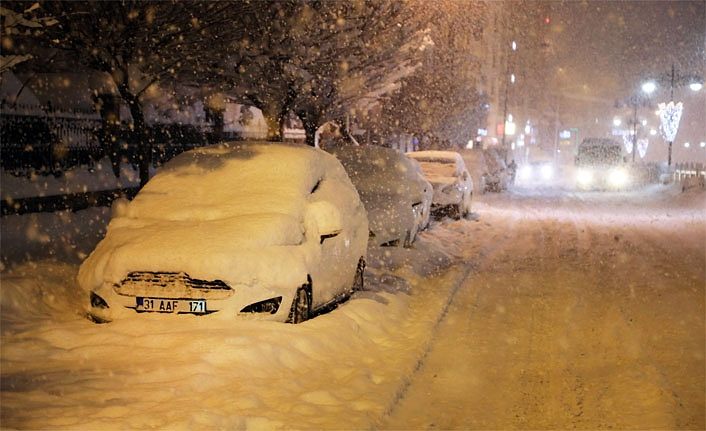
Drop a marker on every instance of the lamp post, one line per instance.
(510, 80)
(670, 113)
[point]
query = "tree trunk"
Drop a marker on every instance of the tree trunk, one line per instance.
(138, 136)
(311, 121)
(282, 122)
(274, 129)
(218, 125)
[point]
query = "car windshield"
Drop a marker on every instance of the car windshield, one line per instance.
(599, 155)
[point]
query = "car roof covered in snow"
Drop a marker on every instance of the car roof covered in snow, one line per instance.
(377, 169)
(434, 162)
(233, 179)
(436, 156)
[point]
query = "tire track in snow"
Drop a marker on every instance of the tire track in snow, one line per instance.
(484, 255)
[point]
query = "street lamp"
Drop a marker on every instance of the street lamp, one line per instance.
(649, 87)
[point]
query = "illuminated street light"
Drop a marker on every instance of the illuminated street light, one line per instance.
(649, 87)
(686, 145)
(702, 144)
(653, 132)
(512, 78)
(644, 122)
(514, 45)
(617, 122)
(696, 86)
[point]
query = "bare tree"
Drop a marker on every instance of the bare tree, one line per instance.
(139, 44)
(440, 97)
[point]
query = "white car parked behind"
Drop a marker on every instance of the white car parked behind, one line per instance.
(446, 171)
(265, 230)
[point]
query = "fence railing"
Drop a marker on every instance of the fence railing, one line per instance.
(689, 175)
(689, 170)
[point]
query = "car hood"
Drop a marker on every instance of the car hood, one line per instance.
(234, 248)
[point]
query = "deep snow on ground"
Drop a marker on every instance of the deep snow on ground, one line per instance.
(475, 307)
(589, 315)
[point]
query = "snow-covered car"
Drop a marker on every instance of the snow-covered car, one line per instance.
(447, 173)
(265, 230)
(388, 184)
(600, 165)
(497, 176)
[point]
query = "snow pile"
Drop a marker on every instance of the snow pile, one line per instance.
(339, 370)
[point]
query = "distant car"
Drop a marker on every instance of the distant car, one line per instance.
(600, 165)
(497, 177)
(446, 171)
(259, 230)
(389, 186)
(536, 173)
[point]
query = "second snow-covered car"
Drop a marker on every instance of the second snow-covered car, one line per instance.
(446, 171)
(389, 186)
(264, 230)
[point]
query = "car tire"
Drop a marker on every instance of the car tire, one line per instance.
(459, 211)
(358, 280)
(301, 305)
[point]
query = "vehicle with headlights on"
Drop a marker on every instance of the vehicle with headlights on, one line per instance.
(239, 230)
(447, 173)
(600, 165)
(536, 173)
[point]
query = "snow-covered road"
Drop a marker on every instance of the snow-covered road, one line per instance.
(590, 315)
(553, 310)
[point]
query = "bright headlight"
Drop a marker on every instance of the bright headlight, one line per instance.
(618, 177)
(525, 172)
(584, 177)
(547, 172)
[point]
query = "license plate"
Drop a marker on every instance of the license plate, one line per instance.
(167, 305)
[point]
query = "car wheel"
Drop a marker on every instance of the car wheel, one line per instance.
(459, 211)
(359, 275)
(301, 305)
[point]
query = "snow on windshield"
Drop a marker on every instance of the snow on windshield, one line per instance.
(232, 179)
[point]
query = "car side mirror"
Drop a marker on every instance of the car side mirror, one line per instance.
(326, 218)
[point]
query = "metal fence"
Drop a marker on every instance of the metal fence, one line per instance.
(690, 174)
(44, 139)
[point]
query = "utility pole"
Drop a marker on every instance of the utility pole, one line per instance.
(634, 130)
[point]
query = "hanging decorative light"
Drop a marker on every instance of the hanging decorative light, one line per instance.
(627, 142)
(642, 144)
(669, 116)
